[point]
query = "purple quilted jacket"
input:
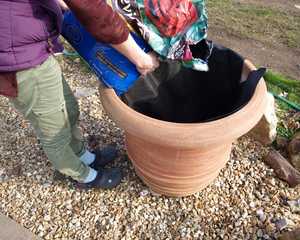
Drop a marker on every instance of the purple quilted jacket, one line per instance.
(29, 31)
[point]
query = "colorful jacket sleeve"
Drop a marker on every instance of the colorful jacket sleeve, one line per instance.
(100, 20)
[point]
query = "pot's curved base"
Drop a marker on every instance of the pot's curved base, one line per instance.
(174, 192)
(176, 172)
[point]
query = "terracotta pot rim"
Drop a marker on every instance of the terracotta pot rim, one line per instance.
(125, 113)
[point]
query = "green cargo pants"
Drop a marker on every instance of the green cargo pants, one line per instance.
(46, 100)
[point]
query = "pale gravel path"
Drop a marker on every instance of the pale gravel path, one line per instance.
(54, 210)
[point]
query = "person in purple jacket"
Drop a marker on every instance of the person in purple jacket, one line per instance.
(32, 79)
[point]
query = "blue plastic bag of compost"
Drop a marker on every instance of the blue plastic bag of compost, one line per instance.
(111, 67)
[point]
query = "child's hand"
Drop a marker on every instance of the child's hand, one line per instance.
(63, 5)
(144, 62)
(148, 63)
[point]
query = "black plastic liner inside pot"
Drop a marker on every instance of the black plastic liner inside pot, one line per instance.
(177, 94)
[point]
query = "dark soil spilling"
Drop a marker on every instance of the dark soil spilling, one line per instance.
(177, 94)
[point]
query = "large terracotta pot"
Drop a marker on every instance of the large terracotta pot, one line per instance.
(178, 159)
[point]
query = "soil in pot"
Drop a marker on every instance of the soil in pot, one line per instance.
(174, 93)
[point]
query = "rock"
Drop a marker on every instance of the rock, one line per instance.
(266, 237)
(293, 235)
(294, 151)
(270, 227)
(84, 92)
(2, 175)
(294, 205)
(252, 205)
(283, 169)
(261, 215)
(265, 131)
(281, 224)
(77, 60)
(259, 233)
(144, 193)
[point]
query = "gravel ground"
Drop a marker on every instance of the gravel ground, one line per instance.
(246, 201)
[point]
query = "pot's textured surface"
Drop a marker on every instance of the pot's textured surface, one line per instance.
(178, 159)
(176, 172)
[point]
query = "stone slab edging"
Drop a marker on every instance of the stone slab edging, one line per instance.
(10, 230)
